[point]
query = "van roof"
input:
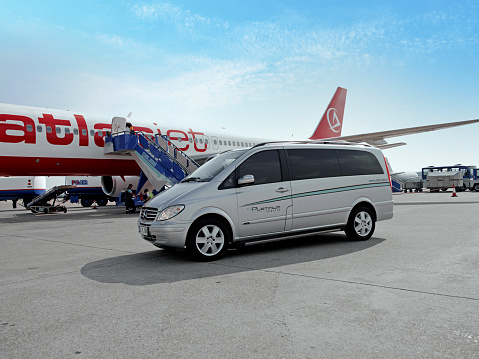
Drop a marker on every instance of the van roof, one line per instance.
(316, 142)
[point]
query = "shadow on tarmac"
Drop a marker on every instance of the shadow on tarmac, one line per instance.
(73, 214)
(169, 266)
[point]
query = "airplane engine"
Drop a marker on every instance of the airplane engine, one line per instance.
(114, 185)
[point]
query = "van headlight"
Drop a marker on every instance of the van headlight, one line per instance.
(169, 212)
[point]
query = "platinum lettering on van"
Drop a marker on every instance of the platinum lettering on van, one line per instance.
(265, 209)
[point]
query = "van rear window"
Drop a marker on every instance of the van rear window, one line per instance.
(322, 163)
(356, 163)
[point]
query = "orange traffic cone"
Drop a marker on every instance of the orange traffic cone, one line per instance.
(454, 194)
(94, 205)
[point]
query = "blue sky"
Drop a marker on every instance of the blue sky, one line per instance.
(258, 68)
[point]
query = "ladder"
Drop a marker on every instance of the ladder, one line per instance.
(159, 159)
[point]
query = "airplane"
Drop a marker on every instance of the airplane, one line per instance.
(40, 141)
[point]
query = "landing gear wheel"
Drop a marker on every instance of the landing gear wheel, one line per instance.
(208, 240)
(476, 187)
(361, 224)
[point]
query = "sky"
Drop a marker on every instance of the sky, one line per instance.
(255, 68)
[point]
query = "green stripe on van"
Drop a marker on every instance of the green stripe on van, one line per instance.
(324, 191)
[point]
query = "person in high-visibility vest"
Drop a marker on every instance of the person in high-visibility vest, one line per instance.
(147, 195)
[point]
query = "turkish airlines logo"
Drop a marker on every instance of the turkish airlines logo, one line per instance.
(333, 120)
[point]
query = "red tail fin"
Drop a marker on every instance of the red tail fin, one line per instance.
(331, 123)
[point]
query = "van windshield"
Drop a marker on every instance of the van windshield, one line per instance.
(210, 169)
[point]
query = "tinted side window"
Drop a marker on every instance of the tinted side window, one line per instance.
(313, 163)
(355, 163)
(264, 166)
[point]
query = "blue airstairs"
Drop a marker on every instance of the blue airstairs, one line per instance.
(160, 160)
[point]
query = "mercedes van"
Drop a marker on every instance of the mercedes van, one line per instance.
(271, 191)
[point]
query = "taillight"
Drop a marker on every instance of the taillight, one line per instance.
(389, 176)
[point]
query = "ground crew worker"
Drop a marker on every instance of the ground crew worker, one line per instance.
(129, 203)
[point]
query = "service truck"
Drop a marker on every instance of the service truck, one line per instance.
(462, 177)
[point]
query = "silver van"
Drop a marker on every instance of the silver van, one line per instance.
(271, 191)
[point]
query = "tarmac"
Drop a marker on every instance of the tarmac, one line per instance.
(83, 284)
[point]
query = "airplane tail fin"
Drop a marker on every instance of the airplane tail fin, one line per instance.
(331, 123)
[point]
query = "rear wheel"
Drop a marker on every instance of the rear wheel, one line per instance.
(86, 201)
(208, 240)
(361, 224)
(102, 201)
(476, 187)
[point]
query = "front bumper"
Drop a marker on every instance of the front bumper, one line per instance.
(163, 233)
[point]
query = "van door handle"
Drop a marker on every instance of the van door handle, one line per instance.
(282, 190)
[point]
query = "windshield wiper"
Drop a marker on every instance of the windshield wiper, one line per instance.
(193, 179)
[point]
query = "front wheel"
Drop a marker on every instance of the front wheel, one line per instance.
(208, 240)
(361, 224)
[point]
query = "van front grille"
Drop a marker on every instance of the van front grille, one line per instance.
(148, 213)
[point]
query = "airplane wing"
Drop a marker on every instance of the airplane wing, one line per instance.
(377, 139)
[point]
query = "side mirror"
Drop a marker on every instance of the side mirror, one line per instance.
(245, 180)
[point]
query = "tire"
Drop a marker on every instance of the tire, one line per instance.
(361, 224)
(102, 201)
(476, 187)
(86, 201)
(45, 210)
(208, 240)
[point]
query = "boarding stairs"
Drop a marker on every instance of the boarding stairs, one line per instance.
(159, 159)
(397, 185)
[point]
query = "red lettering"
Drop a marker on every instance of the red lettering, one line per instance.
(183, 137)
(27, 124)
(52, 137)
(194, 140)
(142, 129)
(83, 135)
(100, 139)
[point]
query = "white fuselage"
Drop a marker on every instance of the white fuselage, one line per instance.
(40, 141)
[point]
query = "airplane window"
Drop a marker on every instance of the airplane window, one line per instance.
(92, 133)
(191, 140)
(179, 139)
(242, 144)
(234, 143)
(39, 128)
(84, 132)
(59, 130)
(206, 140)
(29, 128)
(221, 142)
(75, 131)
(229, 143)
(67, 131)
(215, 142)
(100, 133)
(201, 140)
(49, 129)
(196, 140)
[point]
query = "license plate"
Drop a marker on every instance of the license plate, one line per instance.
(144, 230)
